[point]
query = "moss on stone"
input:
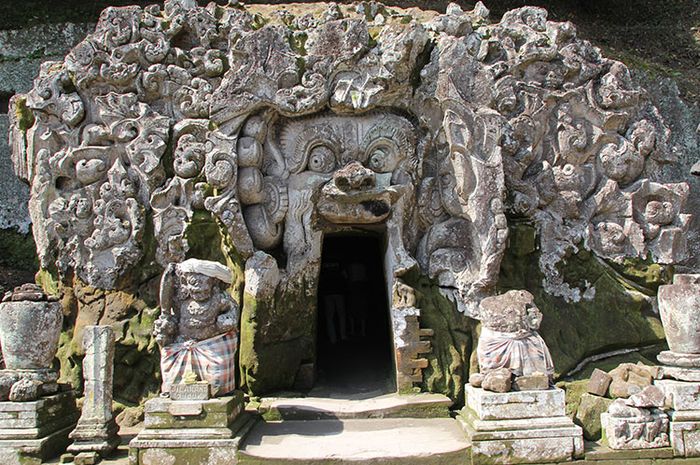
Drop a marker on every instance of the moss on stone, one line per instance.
(452, 343)
(275, 341)
(619, 315)
(24, 116)
(17, 251)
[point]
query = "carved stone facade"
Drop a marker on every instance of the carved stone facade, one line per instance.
(427, 133)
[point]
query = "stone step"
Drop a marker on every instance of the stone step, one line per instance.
(422, 405)
(389, 441)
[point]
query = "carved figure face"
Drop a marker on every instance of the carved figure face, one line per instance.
(355, 160)
(197, 286)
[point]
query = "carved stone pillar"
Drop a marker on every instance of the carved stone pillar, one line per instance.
(96, 430)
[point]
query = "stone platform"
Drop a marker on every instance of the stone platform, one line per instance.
(202, 432)
(423, 405)
(34, 431)
(520, 427)
(406, 441)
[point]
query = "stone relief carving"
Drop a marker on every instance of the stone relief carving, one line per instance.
(431, 132)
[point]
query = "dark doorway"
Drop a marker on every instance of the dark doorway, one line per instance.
(354, 343)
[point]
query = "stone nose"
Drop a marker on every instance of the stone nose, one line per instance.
(354, 177)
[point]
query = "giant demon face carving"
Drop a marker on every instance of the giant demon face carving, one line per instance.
(353, 169)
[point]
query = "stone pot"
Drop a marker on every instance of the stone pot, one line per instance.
(29, 333)
(679, 305)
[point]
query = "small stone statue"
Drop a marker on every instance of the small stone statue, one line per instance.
(509, 340)
(198, 326)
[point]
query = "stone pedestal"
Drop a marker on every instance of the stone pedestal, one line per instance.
(685, 413)
(206, 432)
(97, 430)
(37, 430)
(520, 427)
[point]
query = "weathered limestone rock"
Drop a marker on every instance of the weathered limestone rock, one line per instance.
(198, 325)
(588, 415)
(629, 379)
(302, 127)
(476, 379)
(599, 383)
(96, 430)
(650, 397)
(533, 382)
(520, 427)
(498, 380)
(628, 427)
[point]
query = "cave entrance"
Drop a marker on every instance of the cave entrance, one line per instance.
(354, 346)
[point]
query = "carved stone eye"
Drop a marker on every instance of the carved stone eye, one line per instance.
(321, 159)
(382, 160)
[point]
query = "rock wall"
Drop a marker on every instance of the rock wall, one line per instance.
(536, 257)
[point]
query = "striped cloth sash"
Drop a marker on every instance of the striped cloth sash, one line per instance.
(212, 360)
(524, 353)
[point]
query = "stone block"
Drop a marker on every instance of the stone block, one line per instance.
(647, 430)
(680, 374)
(164, 413)
(588, 415)
(683, 395)
(599, 383)
(24, 451)
(535, 382)
(201, 446)
(528, 450)
(554, 439)
(194, 391)
(499, 380)
(86, 458)
(651, 396)
(36, 419)
(685, 438)
(515, 405)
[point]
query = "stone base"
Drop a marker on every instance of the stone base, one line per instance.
(36, 430)
(520, 427)
(632, 433)
(206, 432)
(684, 395)
(679, 360)
(680, 373)
(34, 451)
(685, 435)
(39, 418)
(99, 438)
(685, 416)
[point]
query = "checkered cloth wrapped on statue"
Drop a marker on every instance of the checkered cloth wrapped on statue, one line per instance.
(212, 360)
(198, 325)
(509, 337)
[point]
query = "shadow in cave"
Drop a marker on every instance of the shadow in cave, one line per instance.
(354, 343)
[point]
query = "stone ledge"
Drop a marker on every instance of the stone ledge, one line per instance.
(515, 405)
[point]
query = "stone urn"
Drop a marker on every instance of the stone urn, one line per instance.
(679, 306)
(30, 326)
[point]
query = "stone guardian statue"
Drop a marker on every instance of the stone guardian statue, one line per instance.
(197, 330)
